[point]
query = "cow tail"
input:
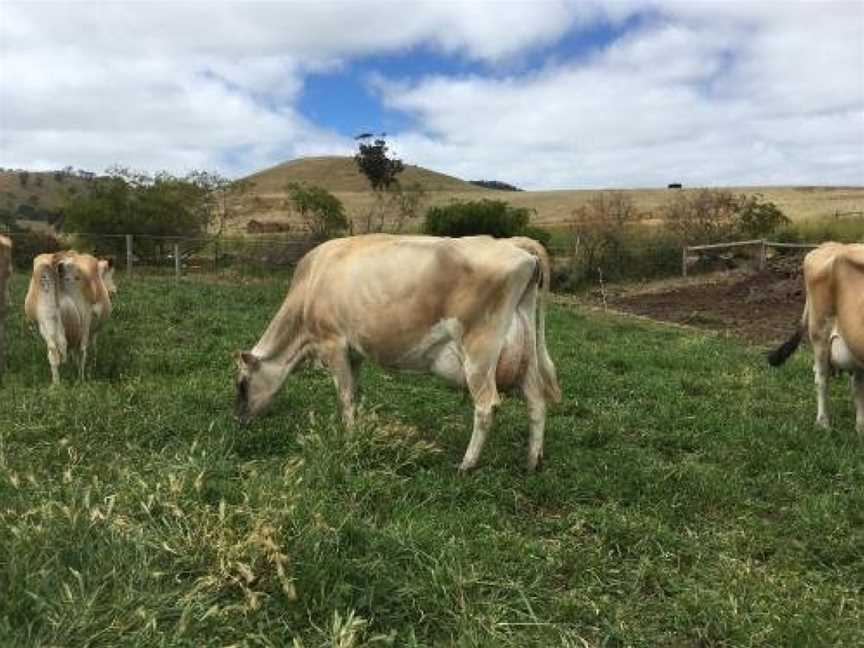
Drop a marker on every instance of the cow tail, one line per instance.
(50, 319)
(779, 355)
(548, 375)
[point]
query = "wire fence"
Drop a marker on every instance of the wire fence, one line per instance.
(180, 256)
(576, 262)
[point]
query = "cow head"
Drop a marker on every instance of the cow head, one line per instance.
(255, 384)
(106, 272)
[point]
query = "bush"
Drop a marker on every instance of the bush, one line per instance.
(26, 244)
(757, 218)
(493, 217)
(608, 241)
(716, 215)
(703, 216)
(320, 210)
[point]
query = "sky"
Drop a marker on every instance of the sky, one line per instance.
(546, 94)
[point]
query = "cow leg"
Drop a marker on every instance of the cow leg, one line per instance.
(858, 396)
(54, 361)
(821, 373)
(82, 358)
(484, 392)
(338, 362)
(536, 419)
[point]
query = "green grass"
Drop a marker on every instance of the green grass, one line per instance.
(817, 230)
(688, 500)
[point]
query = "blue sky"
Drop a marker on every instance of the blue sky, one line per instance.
(546, 95)
(344, 100)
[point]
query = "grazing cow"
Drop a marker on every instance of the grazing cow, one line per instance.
(5, 274)
(68, 300)
(834, 318)
(464, 309)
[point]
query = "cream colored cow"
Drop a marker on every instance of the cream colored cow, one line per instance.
(464, 309)
(5, 274)
(68, 300)
(834, 318)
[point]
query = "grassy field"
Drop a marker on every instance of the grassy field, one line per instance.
(267, 198)
(688, 500)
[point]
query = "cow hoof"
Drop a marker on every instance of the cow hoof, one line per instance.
(536, 465)
(823, 422)
(465, 470)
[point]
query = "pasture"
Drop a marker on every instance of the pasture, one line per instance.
(687, 500)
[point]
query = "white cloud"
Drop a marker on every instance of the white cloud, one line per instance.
(710, 93)
(717, 94)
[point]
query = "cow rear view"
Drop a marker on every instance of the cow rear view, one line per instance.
(68, 300)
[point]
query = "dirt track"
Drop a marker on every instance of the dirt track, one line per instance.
(759, 306)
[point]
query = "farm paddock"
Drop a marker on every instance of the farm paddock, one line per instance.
(757, 306)
(687, 498)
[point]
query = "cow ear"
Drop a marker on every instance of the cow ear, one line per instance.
(246, 360)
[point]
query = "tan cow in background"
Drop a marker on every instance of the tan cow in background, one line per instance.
(68, 300)
(834, 318)
(464, 309)
(5, 274)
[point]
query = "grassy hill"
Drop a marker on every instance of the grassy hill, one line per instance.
(266, 200)
(339, 175)
(46, 190)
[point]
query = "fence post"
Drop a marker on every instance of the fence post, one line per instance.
(763, 255)
(684, 261)
(176, 261)
(129, 255)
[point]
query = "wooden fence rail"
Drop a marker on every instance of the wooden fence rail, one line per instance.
(763, 250)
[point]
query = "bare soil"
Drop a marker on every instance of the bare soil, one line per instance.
(761, 306)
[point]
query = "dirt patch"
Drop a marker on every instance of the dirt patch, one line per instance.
(760, 306)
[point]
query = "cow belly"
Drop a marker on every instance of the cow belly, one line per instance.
(514, 354)
(841, 356)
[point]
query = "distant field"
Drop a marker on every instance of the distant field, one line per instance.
(553, 208)
(688, 500)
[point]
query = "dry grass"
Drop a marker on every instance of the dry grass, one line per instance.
(553, 208)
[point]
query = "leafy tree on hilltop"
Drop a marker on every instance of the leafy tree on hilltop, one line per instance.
(380, 170)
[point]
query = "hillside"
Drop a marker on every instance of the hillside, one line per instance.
(340, 175)
(266, 200)
(24, 192)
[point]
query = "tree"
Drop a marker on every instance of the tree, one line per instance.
(406, 201)
(380, 170)
(321, 211)
(389, 197)
(127, 202)
(221, 196)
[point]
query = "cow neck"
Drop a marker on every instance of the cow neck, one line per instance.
(284, 341)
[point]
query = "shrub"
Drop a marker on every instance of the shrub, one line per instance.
(716, 215)
(757, 218)
(493, 217)
(321, 211)
(703, 216)
(26, 244)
